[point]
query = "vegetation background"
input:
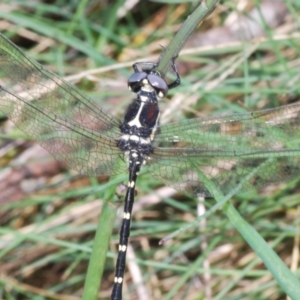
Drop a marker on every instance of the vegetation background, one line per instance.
(245, 56)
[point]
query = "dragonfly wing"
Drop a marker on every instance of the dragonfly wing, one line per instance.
(233, 153)
(73, 128)
(82, 149)
(32, 82)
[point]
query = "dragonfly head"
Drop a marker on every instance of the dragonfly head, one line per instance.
(149, 82)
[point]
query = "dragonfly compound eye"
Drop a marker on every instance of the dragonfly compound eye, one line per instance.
(135, 81)
(158, 84)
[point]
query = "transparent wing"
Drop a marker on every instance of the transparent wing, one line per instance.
(51, 93)
(70, 126)
(244, 151)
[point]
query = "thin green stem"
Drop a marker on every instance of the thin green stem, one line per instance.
(98, 257)
(183, 34)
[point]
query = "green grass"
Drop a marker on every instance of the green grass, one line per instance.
(49, 214)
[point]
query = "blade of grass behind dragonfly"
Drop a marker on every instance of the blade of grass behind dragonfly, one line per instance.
(212, 188)
(188, 27)
(285, 278)
(222, 199)
(102, 238)
(97, 261)
(283, 275)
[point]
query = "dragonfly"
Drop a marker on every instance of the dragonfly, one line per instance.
(202, 156)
